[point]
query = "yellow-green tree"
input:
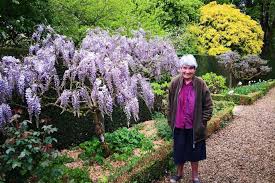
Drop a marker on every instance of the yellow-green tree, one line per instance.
(224, 28)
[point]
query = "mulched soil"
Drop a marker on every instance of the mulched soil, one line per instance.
(244, 151)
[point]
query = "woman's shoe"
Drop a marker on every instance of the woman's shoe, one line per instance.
(196, 181)
(175, 178)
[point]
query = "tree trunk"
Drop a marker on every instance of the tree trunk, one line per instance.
(99, 130)
(230, 80)
(264, 21)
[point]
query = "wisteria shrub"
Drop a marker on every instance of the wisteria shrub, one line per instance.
(105, 71)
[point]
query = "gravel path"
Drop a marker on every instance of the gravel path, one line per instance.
(244, 151)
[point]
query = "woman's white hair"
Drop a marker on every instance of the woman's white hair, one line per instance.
(189, 60)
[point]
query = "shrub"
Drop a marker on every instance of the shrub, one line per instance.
(25, 149)
(56, 172)
(220, 105)
(224, 28)
(122, 142)
(214, 82)
(244, 68)
(163, 129)
(160, 88)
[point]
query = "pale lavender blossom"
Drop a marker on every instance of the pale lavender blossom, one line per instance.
(106, 70)
(75, 102)
(65, 98)
(33, 102)
(5, 114)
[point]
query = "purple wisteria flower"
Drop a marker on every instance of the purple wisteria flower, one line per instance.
(34, 106)
(5, 114)
(107, 70)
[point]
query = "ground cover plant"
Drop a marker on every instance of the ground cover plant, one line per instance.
(261, 86)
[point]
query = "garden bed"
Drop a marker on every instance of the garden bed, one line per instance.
(245, 95)
(126, 167)
(145, 165)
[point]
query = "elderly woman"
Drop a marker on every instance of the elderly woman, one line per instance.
(189, 108)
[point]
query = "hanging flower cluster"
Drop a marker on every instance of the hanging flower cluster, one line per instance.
(106, 70)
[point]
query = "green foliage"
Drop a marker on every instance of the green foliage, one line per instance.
(76, 175)
(163, 129)
(177, 18)
(178, 13)
(214, 82)
(57, 172)
(223, 28)
(25, 149)
(184, 39)
(73, 18)
(124, 141)
(121, 142)
(247, 89)
(221, 105)
(160, 88)
(92, 151)
(18, 18)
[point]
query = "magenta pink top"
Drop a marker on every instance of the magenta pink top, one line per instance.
(185, 108)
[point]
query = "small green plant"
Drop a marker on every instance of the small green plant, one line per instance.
(54, 170)
(214, 82)
(25, 149)
(122, 142)
(247, 89)
(92, 151)
(76, 175)
(164, 130)
(220, 105)
(160, 88)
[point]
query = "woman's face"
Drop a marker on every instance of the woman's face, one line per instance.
(187, 72)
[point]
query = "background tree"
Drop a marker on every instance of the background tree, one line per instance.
(225, 28)
(18, 18)
(178, 13)
(261, 10)
(73, 18)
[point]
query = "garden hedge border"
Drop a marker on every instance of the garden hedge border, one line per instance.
(148, 168)
(244, 99)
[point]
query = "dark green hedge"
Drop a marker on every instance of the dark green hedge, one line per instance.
(73, 130)
(17, 52)
(152, 167)
(244, 99)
